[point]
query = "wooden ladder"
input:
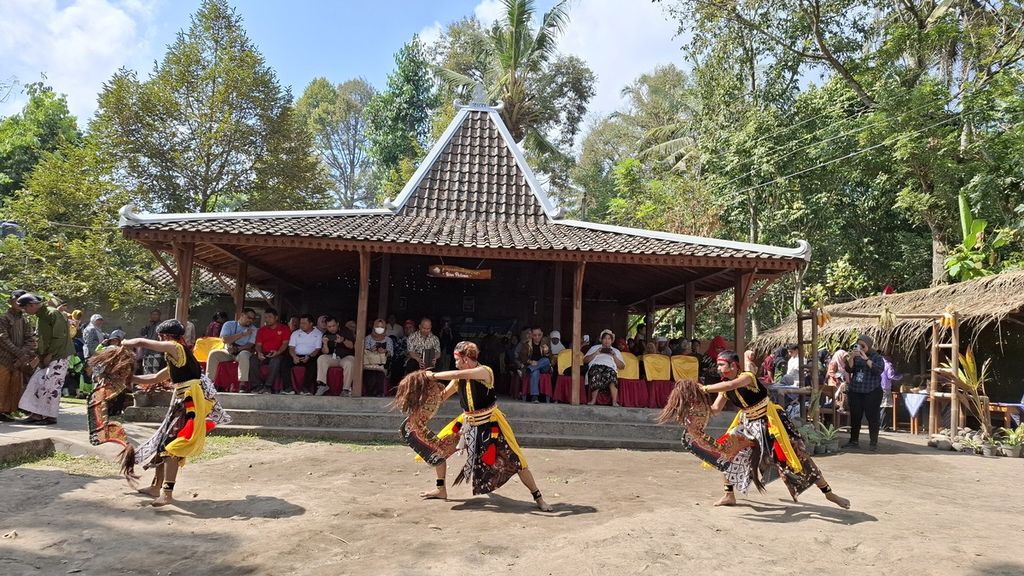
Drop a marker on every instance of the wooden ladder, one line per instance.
(945, 349)
(811, 344)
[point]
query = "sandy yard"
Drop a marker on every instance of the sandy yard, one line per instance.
(264, 507)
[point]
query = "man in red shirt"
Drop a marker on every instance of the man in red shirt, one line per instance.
(272, 350)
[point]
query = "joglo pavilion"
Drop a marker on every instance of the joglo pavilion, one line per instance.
(472, 236)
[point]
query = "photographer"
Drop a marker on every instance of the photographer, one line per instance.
(604, 363)
(865, 390)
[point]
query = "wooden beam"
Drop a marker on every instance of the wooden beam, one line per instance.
(361, 313)
(556, 299)
(385, 286)
(711, 276)
(184, 256)
(577, 328)
(237, 256)
(741, 303)
(241, 286)
(691, 311)
(163, 264)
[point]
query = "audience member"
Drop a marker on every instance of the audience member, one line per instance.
(423, 349)
(239, 338)
(293, 323)
(534, 356)
(303, 348)
(271, 349)
(149, 361)
(604, 363)
(215, 325)
(41, 399)
(92, 335)
(555, 340)
(393, 329)
(866, 367)
(190, 331)
(17, 356)
(337, 348)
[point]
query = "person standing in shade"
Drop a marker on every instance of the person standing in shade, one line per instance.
(41, 399)
(92, 335)
(865, 391)
(16, 356)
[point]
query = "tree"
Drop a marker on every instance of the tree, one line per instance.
(72, 245)
(335, 116)
(43, 125)
(544, 95)
(398, 118)
(202, 132)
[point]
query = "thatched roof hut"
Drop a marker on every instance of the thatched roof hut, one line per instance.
(980, 304)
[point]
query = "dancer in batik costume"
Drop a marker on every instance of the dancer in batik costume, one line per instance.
(193, 412)
(492, 454)
(760, 441)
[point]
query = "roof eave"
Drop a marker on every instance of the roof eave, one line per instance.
(130, 217)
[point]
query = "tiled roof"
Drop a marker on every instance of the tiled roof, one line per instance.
(459, 233)
(476, 176)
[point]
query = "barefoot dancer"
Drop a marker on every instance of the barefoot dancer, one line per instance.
(760, 438)
(194, 411)
(492, 454)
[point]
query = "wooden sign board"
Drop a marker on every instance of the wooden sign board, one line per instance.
(457, 273)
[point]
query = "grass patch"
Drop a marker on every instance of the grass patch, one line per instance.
(80, 401)
(221, 446)
(74, 465)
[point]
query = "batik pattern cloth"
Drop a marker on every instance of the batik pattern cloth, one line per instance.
(42, 394)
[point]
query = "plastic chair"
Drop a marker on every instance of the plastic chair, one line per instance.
(685, 368)
(204, 346)
(563, 361)
(632, 390)
(658, 368)
(226, 378)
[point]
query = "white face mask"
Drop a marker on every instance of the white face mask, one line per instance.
(378, 330)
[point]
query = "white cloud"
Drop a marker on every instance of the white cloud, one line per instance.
(430, 34)
(619, 44)
(487, 11)
(77, 45)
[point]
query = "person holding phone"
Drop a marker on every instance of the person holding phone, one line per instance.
(379, 348)
(604, 363)
(865, 391)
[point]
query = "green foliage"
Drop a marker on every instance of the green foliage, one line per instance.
(1011, 436)
(335, 117)
(210, 128)
(398, 118)
(43, 125)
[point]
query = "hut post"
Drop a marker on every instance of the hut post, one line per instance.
(361, 313)
(556, 299)
(815, 385)
(954, 364)
(577, 328)
(933, 384)
(691, 311)
(241, 283)
(741, 301)
(184, 257)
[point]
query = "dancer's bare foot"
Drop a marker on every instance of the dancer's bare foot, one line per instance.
(439, 494)
(838, 500)
(544, 506)
(153, 491)
(164, 499)
(728, 499)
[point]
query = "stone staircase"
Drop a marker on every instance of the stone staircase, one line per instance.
(371, 419)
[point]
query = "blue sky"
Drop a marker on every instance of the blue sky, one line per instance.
(78, 44)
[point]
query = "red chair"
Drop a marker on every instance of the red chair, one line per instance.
(226, 378)
(544, 386)
(632, 390)
(278, 384)
(335, 380)
(563, 390)
(298, 379)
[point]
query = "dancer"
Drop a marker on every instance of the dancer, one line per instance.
(193, 412)
(492, 454)
(760, 438)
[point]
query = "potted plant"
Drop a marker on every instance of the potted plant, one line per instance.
(829, 438)
(970, 445)
(1011, 441)
(812, 440)
(989, 447)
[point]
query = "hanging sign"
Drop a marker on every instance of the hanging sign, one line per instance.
(456, 272)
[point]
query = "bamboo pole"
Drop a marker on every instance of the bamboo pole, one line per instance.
(933, 384)
(815, 386)
(954, 363)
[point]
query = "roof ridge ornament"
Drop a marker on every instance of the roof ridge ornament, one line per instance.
(479, 100)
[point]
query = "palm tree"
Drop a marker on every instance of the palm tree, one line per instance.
(515, 60)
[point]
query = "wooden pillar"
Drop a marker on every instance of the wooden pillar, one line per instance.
(649, 320)
(241, 283)
(556, 299)
(385, 285)
(361, 313)
(577, 328)
(954, 364)
(184, 255)
(741, 301)
(933, 383)
(691, 312)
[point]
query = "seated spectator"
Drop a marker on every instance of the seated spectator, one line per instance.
(239, 338)
(321, 323)
(190, 331)
(393, 328)
(650, 347)
(293, 323)
(378, 347)
(792, 375)
(622, 345)
(213, 328)
(663, 346)
(337, 348)
(303, 348)
(401, 348)
(584, 345)
(272, 350)
(534, 356)
(604, 363)
(675, 347)
(555, 340)
(423, 349)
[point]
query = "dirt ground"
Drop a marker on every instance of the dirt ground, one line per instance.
(257, 506)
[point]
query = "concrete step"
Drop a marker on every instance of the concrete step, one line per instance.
(379, 435)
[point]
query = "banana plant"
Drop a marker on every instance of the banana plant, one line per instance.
(975, 256)
(970, 381)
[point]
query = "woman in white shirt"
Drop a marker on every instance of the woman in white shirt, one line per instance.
(604, 363)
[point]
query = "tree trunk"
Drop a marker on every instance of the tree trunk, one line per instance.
(940, 249)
